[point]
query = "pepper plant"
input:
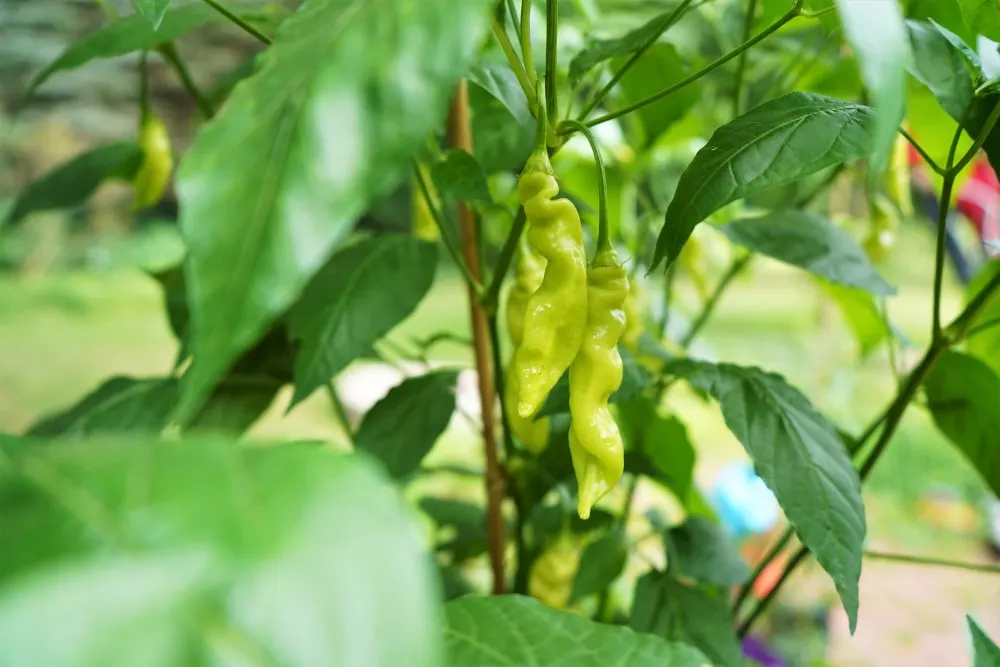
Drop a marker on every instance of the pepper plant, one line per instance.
(139, 528)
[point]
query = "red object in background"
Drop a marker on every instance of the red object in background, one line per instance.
(979, 199)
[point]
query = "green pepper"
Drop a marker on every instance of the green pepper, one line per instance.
(557, 312)
(151, 180)
(528, 275)
(551, 578)
(595, 442)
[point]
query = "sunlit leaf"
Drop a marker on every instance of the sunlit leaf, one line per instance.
(800, 457)
(338, 105)
(963, 394)
(812, 242)
(346, 307)
(774, 144)
(73, 182)
(501, 631)
(877, 36)
(139, 553)
(981, 16)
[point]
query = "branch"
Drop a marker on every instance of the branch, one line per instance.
(792, 13)
(169, 53)
(706, 312)
(741, 63)
(233, 18)
(460, 135)
(492, 293)
(927, 158)
(939, 562)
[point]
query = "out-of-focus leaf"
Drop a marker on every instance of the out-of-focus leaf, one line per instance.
(329, 121)
(702, 551)
(71, 184)
(140, 553)
(153, 10)
(601, 562)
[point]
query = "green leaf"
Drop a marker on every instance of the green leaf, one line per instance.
(657, 446)
(963, 394)
(467, 521)
(503, 128)
(71, 183)
(136, 553)
(127, 35)
(602, 50)
(702, 551)
(546, 523)
(947, 14)
(507, 630)
(402, 427)
(862, 315)
(635, 379)
(601, 562)
(125, 405)
(985, 342)
(666, 607)
(982, 17)
(986, 652)
(800, 457)
(460, 177)
(658, 68)
(153, 10)
(346, 307)
(811, 242)
(940, 66)
(876, 34)
(329, 121)
(772, 145)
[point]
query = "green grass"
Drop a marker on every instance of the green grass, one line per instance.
(63, 333)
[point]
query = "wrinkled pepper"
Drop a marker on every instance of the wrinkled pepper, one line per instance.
(557, 312)
(897, 183)
(595, 442)
(151, 180)
(551, 578)
(424, 227)
(883, 224)
(534, 435)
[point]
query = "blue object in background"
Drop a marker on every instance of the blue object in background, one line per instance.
(757, 650)
(743, 502)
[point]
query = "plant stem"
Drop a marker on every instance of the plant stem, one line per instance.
(939, 562)
(526, 54)
(791, 14)
(515, 64)
(960, 328)
(233, 18)
(923, 154)
(492, 294)
(449, 243)
(745, 626)
(988, 324)
(941, 248)
(706, 312)
(551, 47)
(741, 62)
(603, 236)
(667, 23)
(984, 133)
(460, 136)
(169, 53)
(762, 565)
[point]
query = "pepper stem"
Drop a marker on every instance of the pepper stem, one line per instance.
(566, 128)
(539, 158)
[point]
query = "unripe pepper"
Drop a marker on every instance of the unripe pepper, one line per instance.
(534, 435)
(551, 578)
(557, 312)
(424, 227)
(883, 224)
(595, 443)
(151, 180)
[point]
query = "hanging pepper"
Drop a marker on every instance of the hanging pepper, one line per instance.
(424, 227)
(897, 183)
(557, 312)
(551, 578)
(633, 318)
(595, 443)
(534, 435)
(883, 223)
(151, 180)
